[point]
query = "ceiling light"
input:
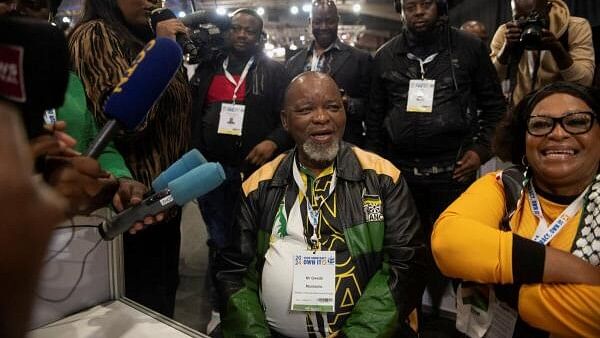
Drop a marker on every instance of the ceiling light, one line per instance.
(306, 8)
(294, 10)
(356, 8)
(221, 10)
(260, 11)
(181, 14)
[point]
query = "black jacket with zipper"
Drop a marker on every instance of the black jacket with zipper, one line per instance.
(434, 137)
(265, 88)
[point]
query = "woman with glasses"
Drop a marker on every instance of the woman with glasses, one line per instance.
(536, 256)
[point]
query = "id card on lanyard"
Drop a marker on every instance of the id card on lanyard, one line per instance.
(313, 288)
(421, 92)
(231, 117)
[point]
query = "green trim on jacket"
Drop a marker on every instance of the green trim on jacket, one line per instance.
(388, 247)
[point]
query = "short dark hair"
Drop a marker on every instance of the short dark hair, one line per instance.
(251, 12)
(509, 141)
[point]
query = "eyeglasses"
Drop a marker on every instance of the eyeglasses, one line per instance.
(574, 123)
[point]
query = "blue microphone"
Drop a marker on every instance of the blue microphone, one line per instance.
(180, 191)
(138, 90)
(187, 162)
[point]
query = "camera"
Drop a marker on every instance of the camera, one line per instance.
(531, 27)
(207, 33)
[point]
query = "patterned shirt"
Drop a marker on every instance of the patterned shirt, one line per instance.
(100, 59)
(331, 238)
(321, 63)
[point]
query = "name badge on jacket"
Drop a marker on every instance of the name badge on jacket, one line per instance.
(420, 96)
(231, 119)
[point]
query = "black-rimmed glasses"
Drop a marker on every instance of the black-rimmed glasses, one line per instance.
(574, 123)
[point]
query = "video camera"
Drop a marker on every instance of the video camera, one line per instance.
(531, 27)
(207, 33)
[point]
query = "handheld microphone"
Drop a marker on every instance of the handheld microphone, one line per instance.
(162, 14)
(187, 162)
(189, 186)
(138, 90)
(34, 68)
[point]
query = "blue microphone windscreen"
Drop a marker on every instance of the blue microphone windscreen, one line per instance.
(187, 162)
(197, 182)
(144, 82)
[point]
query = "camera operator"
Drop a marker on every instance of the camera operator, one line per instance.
(543, 44)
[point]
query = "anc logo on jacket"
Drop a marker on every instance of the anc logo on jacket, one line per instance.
(280, 223)
(372, 208)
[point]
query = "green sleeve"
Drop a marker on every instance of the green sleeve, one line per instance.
(375, 313)
(245, 315)
(81, 126)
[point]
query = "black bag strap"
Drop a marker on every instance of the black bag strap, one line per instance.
(512, 182)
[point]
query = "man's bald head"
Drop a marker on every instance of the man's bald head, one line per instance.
(309, 80)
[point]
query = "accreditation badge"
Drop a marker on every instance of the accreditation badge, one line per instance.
(481, 315)
(231, 119)
(420, 96)
(314, 281)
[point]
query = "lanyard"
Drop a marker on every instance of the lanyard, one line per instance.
(422, 63)
(314, 64)
(313, 215)
(545, 233)
(242, 77)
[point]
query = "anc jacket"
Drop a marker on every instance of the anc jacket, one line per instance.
(389, 253)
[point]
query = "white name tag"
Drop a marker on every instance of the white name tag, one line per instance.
(231, 119)
(50, 116)
(420, 96)
(481, 315)
(314, 281)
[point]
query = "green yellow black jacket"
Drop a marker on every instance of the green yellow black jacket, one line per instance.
(390, 254)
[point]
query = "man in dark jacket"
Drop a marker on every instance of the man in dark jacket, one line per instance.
(237, 99)
(423, 82)
(348, 66)
(334, 204)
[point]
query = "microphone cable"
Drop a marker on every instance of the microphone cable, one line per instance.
(83, 263)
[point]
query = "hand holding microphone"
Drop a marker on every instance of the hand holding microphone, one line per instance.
(170, 28)
(165, 23)
(179, 191)
(186, 163)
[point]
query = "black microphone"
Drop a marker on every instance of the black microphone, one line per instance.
(162, 14)
(142, 85)
(34, 68)
(180, 191)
